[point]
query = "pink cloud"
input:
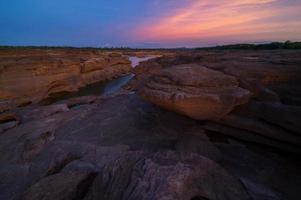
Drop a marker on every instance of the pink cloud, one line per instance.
(261, 19)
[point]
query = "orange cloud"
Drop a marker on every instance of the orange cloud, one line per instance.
(202, 19)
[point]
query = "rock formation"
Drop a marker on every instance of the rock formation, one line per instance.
(125, 148)
(195, 91)
(238, 97)
(30, 77)
(245, 143)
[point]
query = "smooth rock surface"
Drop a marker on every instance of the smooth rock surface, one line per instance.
(195, 91)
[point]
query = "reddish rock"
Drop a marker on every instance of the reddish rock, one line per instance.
(195, 91)
(94, 64)
(38, 74)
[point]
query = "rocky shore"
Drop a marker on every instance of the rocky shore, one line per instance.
(191, 125)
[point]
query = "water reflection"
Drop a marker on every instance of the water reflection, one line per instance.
(115, 85)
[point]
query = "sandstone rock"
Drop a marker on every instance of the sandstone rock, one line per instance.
(60, 186)
(80, 166)
(8, 120)
(94, 64)
(285, 116)
(260, 170)
(7, 116)
(8, 125)
(249, 136)
(77, 101)
(195, 91)
(260, 192)
(115, 54)
(259, 91)
(138, 151)
(36, 75)
(13, 178)
(154, 66)
(34, 113)
(35, 144)
(182, 176)
(261, 128)
(195, 145)
(6, 105)
(141, 151)
(31, 137)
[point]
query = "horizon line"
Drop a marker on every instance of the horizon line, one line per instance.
(127, 47)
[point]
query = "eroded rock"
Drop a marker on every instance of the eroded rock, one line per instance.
(165, 175)
(195, 91)
(34, 75)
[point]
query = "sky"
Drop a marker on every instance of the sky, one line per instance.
(148, 23)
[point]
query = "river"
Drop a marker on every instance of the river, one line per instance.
(103, 88)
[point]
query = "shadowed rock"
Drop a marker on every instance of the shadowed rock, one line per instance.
(72, 185)
(165, 175)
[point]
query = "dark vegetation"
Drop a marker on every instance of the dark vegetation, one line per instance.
(267, 46)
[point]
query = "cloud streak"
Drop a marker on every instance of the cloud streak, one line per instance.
(202, 20)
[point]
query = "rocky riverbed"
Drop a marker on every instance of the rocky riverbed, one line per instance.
(191, 125)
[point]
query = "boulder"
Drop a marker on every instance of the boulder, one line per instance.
(195, 91)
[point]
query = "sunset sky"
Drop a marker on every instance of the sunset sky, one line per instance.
(148, 23)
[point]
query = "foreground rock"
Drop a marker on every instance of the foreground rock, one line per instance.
(125, 148)
(182, 176)
(29, 76)
(195, 91)
(60, 186)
